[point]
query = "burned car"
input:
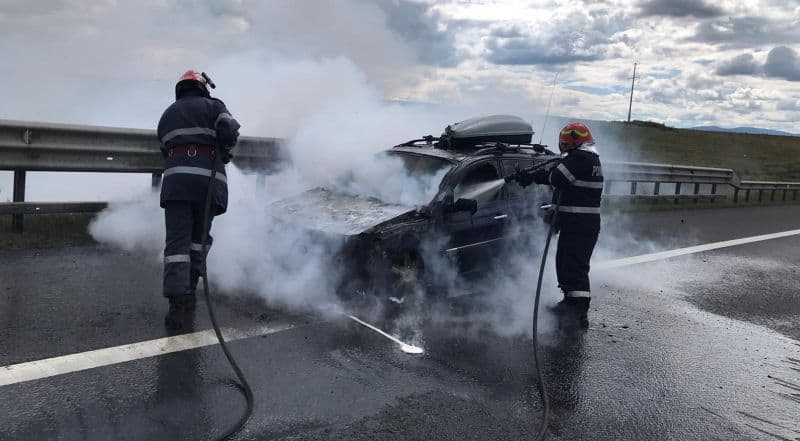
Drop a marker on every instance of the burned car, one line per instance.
(451, 203)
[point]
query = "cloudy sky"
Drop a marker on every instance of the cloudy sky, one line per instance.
(729, 62)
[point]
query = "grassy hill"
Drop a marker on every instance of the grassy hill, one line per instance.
(754, 157)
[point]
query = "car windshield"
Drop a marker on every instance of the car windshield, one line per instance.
(395, 177)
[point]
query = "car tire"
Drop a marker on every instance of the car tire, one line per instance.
(406, 277)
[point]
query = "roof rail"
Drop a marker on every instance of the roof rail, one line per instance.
(429, 141)
(483, 149)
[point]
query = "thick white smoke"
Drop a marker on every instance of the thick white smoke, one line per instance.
(337, 122)
(325, 87)
(334, 133)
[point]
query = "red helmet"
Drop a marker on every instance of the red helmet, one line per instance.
(191, 79)
(573, 136)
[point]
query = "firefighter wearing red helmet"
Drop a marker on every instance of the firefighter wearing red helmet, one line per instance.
(196, 134)
(578, 181)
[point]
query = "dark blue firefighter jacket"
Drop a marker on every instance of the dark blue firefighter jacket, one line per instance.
(579, 178)
(196, 119)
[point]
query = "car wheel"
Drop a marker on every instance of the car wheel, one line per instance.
(406, 277)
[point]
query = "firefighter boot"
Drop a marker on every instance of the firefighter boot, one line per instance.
(572, 313)
(181, 313)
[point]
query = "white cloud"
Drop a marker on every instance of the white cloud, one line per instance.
(113, 61)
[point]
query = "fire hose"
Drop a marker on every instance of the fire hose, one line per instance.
(542, 432)
(244, 386)
(536, 361)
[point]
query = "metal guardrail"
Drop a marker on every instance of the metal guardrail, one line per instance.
(34, 146)
(645, 172)
(19, 208)
(698, 178)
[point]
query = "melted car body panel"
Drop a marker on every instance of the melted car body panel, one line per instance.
(324, 210)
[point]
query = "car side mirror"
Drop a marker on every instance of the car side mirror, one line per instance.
(470, 205)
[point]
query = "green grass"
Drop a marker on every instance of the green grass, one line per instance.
(753, 157)
(47, 231)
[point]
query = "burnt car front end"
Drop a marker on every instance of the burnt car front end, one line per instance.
(368, 229)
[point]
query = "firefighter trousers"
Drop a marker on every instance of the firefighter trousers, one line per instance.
(572, 262)
(183, 257)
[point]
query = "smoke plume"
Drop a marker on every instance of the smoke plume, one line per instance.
(321, 74)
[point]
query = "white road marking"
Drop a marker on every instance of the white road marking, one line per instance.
(34, 370)
(405, 347)
(627, 261)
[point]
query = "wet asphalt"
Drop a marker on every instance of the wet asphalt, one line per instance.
(705, 346)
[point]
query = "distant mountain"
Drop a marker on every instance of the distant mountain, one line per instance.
(751, 130)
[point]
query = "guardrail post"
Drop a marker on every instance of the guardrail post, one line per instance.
(696, 191)
(784, 195)
(795, 195)
(18, 220)
(713, 191)
(633, 187)
(760, 195)
(772, 196)
(735, 194)
(656, 188)
(261, 182)
(677, 191)
(156, 182)
(747, 195)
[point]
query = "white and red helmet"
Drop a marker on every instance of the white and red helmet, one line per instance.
(574, 135)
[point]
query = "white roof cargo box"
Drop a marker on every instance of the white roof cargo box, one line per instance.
(508, 129)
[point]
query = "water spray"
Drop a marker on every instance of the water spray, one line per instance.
(480, 189)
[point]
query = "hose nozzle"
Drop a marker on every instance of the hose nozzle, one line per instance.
(208, 80)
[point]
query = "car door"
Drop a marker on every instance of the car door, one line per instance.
(474, 239)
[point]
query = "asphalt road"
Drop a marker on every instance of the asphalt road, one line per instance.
(703, 346)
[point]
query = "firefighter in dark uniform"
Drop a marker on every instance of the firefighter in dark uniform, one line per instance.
(196, 134)
(578, 182)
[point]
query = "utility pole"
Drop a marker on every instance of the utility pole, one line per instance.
(633, 81)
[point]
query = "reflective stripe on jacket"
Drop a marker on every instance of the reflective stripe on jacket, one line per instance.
(579, 179)
(195, 119)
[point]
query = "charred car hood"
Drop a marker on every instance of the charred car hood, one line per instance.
(323, 210)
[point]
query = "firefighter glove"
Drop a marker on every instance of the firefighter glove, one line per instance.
(227, 156)
(525, 179)
(541, 177)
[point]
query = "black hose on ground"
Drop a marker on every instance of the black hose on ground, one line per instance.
(536, 361)
(244, 386)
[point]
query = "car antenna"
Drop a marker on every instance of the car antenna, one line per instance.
(547, 115)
